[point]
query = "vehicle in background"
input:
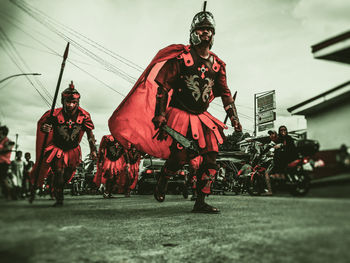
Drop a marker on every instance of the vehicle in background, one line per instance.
(227, 179)
(150, 168)
(295, 179)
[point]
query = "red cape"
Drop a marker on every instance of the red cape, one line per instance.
(45, 167)
(132, 120)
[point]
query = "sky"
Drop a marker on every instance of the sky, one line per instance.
(266, 45)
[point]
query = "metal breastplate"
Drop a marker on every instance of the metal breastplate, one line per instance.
(66, 132)
(113, 150)
(193, 89)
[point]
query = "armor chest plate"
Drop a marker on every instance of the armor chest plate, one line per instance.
(113, 150)
(193, 89)
(66, 132)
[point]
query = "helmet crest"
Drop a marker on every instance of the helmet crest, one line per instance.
(69, 94)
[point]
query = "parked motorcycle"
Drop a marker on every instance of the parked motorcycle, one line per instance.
(296, 177)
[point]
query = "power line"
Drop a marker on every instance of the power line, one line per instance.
(87, 39)
(7, 83)
(9, 42)
(13, 58)
(53, 52)
(38, 17)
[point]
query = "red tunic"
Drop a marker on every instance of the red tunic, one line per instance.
(109, 164)
(5, 157)
(53, 152)
(138, 128)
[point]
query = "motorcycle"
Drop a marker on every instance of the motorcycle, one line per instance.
(296, 177)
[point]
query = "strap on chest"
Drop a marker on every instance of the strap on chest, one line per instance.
(79, 120)
(188, 60)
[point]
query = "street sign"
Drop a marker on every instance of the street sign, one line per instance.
(266, 102)
(266, 126)
(266, 116)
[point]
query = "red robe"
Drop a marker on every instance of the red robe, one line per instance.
(132, 120)
(114, 167)
(72, 156)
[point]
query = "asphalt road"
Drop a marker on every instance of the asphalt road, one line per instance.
(138, 229)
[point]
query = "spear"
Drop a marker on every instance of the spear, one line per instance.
(43, 146)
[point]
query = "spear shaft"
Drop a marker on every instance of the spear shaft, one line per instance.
(43, 146)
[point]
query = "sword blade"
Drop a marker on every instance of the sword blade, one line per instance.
(182, 140)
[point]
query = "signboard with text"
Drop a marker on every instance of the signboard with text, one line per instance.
(266, 102)
(266, 116)
(266, 126)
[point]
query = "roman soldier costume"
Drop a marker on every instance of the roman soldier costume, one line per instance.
(134, 163)
(176, 90)
(63, 153)
(111, 163)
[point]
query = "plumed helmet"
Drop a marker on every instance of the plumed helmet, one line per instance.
(70, 93)
(203, 19)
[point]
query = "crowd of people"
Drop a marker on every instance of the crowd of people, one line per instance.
(14, 175)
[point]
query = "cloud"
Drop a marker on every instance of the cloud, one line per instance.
(323, 17)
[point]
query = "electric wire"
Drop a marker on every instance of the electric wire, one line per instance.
(14, 60)
(38, 17)
(53, 52)
(87, 40)
(87, 52)
(39, 83)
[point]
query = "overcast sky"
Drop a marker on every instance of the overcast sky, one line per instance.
(266, 45)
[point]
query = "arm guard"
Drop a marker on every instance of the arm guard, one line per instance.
(161, 101)
(92, 141)
(232, 112)
(230, 108)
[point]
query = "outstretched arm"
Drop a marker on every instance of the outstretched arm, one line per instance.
(92, 141)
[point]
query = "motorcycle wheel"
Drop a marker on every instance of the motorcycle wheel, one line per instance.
(301, 186)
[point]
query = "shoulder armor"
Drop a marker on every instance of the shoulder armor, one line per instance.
(187, 57)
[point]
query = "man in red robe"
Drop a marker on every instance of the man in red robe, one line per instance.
(175, 90)
(134, 157)
(6, 146)
(62, 152)
(111, 164)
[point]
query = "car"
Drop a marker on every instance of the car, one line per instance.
(150, 169)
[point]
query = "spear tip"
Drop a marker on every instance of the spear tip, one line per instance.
(66, 52)
(234, 96)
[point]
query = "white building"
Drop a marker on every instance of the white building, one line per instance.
(328, 114)
(328, 117)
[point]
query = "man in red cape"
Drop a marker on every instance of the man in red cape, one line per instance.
(62, 152)
(134, 157)
(111, 163)
(175, 90)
